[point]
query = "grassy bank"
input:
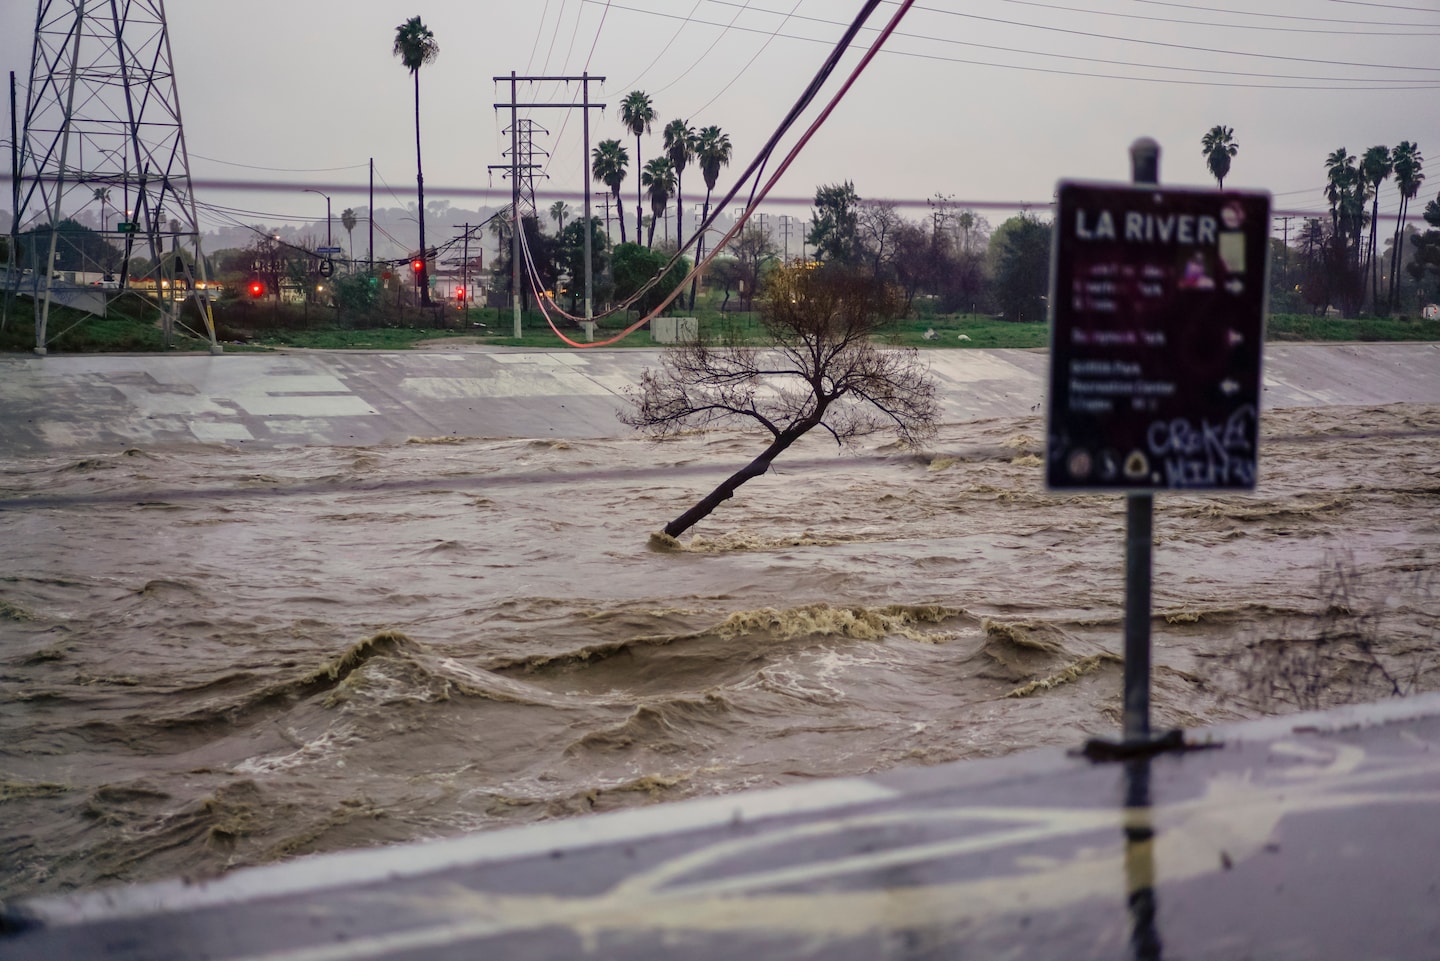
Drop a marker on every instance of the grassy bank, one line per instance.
(133, 326)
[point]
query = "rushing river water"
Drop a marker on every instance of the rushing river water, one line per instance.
(213, 657)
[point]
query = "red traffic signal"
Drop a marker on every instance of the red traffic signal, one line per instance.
(257, 289)
(460, 294)
(417, 265)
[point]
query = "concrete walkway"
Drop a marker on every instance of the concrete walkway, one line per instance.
(1311, 837)
(296, 398)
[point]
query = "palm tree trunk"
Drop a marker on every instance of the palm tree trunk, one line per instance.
(679, 215)
(1397, 251)
(424, 278)
(1374, 243)
(700, 245)
(639, 206)
(620, 212)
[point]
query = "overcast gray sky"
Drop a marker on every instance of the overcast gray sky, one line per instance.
(988, 101)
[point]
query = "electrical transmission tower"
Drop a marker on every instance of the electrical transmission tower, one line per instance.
(522, 159)
(103, 143)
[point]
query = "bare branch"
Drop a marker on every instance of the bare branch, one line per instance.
(822, 368)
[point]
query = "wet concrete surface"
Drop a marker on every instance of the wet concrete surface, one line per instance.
(1311, 837)
(298, 398)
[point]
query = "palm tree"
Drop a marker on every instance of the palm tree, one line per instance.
(1375, 168)
(712, 151)
(1341, 180)
(609, 163)
(500, 226)
(415, 46)
(1219, 146)
(636, 112)
(102, 194)
(348, 220)
(558, 210)
(1407, 164)
(680, 148)
(659, 176)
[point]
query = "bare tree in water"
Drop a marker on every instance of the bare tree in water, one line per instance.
(821, 368)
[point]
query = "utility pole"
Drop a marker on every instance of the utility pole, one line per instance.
(1285, 242)
(465, 273)
(606, 200)
(514, 105)
(785, 221)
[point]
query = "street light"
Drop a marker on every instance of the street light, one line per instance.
(311, 190)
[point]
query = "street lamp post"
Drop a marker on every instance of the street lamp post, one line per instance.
(311, 190)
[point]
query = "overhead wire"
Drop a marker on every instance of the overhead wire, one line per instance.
(758, 192)
(1332, 84)
(1229, 26)
(1277, 16)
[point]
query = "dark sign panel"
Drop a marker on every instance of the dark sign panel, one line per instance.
(1158, 315)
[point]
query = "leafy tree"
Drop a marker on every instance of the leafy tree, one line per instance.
(913, 263)
(680, 141)
(1375, 168)
(876, 223)
(834, 224)
(1219, 146)
(415, 46)
(570, 256)
(1424, 267)
(637, 113)
(1020, 249)
(609, 163)
(635, 266)
(357, 293)
(77, 247)
(543, 251)
(1408, 168)
(753, 248)
(659, 177)
(821, 369)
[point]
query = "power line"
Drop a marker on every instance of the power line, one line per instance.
(1236, 26)
(1331, 82)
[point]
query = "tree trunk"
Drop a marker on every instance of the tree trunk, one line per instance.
(1374, 251)
(725, 491)
(679, 214)
(639, 183)
(700, 245)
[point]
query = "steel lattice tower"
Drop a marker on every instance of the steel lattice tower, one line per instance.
(103, 135)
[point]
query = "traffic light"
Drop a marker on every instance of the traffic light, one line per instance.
(257, 289)
(417, 265)
(460, 295)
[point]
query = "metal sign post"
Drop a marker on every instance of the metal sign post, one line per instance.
(1158, 320)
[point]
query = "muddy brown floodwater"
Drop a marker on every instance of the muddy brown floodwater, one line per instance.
(215, 657)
